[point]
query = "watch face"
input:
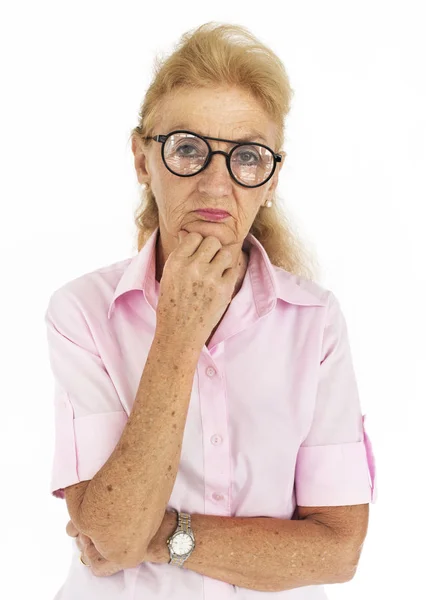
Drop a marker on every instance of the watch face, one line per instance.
(182, 543)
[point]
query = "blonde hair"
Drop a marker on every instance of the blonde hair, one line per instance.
(216, 55)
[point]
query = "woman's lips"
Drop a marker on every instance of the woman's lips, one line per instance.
(213, 215)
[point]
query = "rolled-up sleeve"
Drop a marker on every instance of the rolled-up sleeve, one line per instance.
(88, 415)
(335, 463)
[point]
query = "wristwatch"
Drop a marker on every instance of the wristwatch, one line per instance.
(182, 543)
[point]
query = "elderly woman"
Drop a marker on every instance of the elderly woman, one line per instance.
(207, 412)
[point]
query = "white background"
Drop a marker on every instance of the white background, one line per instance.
(73, 75)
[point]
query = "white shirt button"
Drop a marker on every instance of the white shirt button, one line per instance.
(217, 496)
(210, 371)
(216, 439)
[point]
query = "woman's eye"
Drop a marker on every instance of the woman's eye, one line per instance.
(247, 157)
(185, 149)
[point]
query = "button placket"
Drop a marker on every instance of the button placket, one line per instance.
(215, 426)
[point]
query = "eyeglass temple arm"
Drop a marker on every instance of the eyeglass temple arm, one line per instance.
(157, 138)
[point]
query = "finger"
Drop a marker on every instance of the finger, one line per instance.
(86, 556)
(71, 529)
(185, 247)
(84, 541)
(230, 276)
(80, 546)
(181, 235)
(94, 557)
(99, 565)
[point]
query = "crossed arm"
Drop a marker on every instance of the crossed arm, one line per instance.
(319, 545)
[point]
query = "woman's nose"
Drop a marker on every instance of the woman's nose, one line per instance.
(215, 179)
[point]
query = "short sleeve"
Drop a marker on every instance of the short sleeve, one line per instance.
(335, 463)
(88, 415)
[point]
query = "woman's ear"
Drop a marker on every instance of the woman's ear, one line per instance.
(140, 162)
(274, 180)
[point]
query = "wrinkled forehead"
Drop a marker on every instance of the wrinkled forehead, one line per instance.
(224, 113)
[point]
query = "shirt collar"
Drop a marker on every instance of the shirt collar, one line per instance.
(267, 285)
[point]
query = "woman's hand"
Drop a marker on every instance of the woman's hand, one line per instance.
(196, 287)
(100, 566)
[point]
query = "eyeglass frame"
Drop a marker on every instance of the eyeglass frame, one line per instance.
(162, 138)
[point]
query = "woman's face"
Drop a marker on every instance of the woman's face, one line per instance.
(222, 113)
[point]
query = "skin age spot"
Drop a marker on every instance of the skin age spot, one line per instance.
(109, 488)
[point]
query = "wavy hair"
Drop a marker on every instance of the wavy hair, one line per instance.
(216, 55)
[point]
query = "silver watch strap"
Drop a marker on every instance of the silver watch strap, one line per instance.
(184, 524)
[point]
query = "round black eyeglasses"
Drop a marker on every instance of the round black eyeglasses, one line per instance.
(186, 154)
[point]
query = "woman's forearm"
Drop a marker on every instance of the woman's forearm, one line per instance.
(124, 504)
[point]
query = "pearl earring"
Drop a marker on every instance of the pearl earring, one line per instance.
(268, 204)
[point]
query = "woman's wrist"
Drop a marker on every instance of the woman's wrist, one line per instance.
(158, 551)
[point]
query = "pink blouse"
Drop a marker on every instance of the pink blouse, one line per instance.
(274, 418)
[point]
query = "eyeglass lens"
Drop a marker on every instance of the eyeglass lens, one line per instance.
(186, 154)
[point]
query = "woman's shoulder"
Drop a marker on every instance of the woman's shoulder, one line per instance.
(91, 289)
(292, 286)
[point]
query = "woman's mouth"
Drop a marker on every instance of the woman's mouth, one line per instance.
(213, 215)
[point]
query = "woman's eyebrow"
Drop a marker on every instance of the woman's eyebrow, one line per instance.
(251, 136)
